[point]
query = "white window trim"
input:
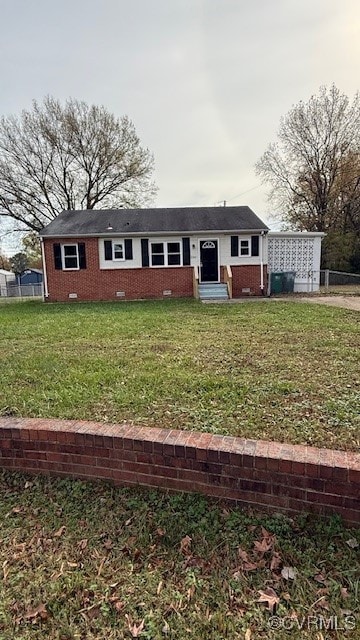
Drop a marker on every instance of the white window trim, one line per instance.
(165, 244)
(122, 242)
(248, 240)
(72, 244)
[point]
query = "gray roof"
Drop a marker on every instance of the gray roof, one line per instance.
(149, 221)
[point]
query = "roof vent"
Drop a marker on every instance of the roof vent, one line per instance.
(109, 227)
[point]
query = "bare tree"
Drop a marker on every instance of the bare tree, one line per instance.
(314, 168)
(71, 156)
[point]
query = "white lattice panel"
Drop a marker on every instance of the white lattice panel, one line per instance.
(292, 254)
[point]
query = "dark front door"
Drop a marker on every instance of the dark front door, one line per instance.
(209, 266)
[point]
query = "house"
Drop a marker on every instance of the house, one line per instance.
(31, 276)
(297, 251)
(154, 253)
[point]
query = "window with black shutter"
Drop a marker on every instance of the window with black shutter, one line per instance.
(108, 249)
(186, 251)
(82, 255)
(57, 256)
(128, 249)
(254, 245)
(144, 252)
(234, 246)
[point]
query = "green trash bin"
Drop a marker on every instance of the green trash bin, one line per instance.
(276, 282)
(288, 281)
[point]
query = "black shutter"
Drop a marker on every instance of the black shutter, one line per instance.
(186, 251)
(128, 249)
(145, 252)
(82, 256)
(57, 256)
(234, 245)
(254, 245)
(108, 249)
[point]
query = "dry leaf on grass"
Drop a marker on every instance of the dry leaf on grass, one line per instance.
(185, 545)
(320, 577)
(60, 532)
(352, 543)
(289, 573)
(134, 629)
(39, 611)
(269, 597)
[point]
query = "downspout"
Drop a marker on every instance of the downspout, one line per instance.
(46, 292)
(261, 263)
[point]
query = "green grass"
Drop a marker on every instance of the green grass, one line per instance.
(279, 371)
(83, 561)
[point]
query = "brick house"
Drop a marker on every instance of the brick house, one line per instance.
(201, 252)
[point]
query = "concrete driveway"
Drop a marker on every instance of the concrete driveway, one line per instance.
(345, 302)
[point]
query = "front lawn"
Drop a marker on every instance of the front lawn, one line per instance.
(83, 561)
(273, 370)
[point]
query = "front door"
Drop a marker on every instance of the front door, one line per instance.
(209, 263)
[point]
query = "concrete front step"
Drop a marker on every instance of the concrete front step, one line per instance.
(213, 291)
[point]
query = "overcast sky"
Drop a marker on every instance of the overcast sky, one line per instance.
(204, 81)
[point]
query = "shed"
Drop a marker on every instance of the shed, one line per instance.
(31, 276)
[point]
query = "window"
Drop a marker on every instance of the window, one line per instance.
(118, 248)
(165, 254)
(157, 254)
(244, 248)
(173, 253)
(70, 256)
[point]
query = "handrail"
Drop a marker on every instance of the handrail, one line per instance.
(196, 282)
(228, 280)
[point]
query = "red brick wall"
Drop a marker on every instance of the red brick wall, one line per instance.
(248, 277)
(267, 475)
(95, 284)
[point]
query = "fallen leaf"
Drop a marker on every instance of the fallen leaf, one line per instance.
(166, 629)
(269, 597)
(247, 634)
(352, 543)
(108, 544)
(289, 573)
(263, 546)
(40, 610)
(185, 545)
(319, 577)
(60, 532)
(134, 629)
(160, 532)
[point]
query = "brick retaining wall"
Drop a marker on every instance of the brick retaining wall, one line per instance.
(266, 475)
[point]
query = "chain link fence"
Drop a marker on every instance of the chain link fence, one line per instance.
(339, 282)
